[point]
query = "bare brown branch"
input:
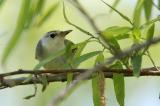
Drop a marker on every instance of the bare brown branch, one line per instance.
(61, 75)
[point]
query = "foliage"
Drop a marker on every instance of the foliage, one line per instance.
(109, 39)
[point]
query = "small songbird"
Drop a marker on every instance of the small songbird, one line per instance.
(51, 42)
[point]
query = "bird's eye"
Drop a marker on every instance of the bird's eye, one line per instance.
(52, 35)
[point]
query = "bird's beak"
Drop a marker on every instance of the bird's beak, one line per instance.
(64, 33)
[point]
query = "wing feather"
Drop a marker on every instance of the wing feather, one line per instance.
(39, 51)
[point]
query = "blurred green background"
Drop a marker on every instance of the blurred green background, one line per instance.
(143, 91)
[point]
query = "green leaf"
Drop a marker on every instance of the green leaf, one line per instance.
(1, 2)
(116, 2)
(49, 58)
(85, 57)
(17, 32)
(34, 10)
(121, 37)
(118, 80)
(74, 51)
(69, 48)
(96, 90)
(108, 37)
(137, 13)
(119, 88)
(150, 32)
(39, 6)
(148, 8)
(80, 47)
(136, 61)
(69, 78)
(30, 15)
(100, 58)
(70, 63)
(149, 35)
(70, 51)
(48, 13)
(136, 35)
(98, 82)
(122, 15)
(116, 30)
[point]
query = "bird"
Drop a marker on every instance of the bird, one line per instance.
(50, 43)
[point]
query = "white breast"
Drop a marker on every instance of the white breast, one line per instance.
(49, 47)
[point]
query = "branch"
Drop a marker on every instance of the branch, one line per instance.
(61, 75)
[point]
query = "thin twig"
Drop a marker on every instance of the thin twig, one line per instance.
(39, 72)
(151, 59)
(64, 71)
(125, 17)
(82, 30)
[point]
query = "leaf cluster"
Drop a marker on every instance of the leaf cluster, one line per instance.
(109, 39)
